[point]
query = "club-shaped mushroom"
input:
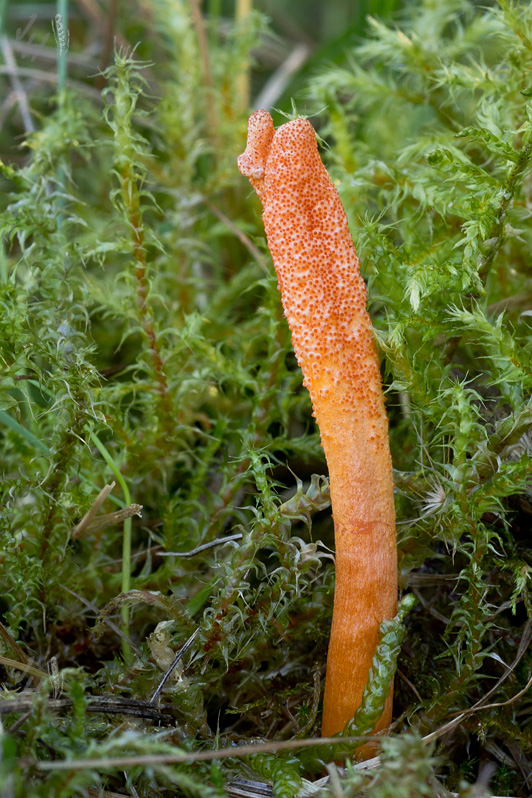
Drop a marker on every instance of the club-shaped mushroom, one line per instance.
(324, 300)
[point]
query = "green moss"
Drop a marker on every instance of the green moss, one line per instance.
(141, 334)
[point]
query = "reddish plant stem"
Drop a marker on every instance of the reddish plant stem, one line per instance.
(131, 199)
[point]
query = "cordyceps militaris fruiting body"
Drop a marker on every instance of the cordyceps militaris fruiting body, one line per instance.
(324, 300)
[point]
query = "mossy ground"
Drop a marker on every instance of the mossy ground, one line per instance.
(142, 343)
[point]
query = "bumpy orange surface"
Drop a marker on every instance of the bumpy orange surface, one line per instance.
(324, 300)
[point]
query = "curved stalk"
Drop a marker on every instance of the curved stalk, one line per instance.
(324, 300)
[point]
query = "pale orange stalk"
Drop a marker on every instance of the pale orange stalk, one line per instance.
(324, 300)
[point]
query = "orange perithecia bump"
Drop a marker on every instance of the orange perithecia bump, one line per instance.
(324, 300)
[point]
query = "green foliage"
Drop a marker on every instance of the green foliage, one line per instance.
(281, 770)
(382, 671)
(142, 342)
(407, 771)
(378, 686)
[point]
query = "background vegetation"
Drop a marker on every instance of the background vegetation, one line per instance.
(143, 347)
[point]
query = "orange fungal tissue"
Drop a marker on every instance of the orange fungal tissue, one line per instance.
(324, 300)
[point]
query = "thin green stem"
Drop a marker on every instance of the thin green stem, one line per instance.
(4, 271)
(242, 11)
(126, 541)
(61, 36)
(61, 33)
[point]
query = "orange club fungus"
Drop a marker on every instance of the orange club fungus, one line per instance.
(324, 300)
